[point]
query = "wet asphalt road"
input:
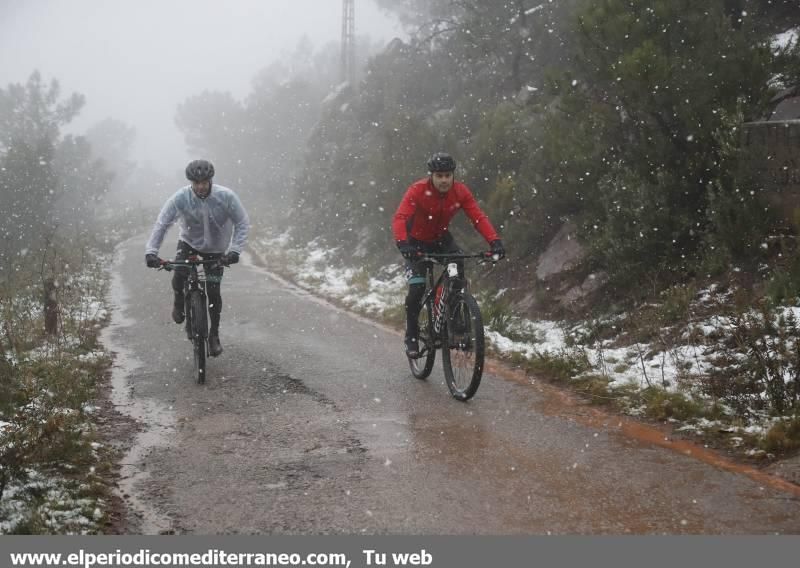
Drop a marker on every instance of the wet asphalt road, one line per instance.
(311, 423)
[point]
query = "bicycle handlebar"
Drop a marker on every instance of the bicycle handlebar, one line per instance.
(443, 258)
(191, 261)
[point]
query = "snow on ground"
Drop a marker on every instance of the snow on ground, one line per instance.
(353, 287)
(786, 39)
(60, 512)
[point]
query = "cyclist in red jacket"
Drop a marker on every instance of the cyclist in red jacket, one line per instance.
(420, 225)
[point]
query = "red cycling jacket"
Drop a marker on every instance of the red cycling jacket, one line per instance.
(425, 213)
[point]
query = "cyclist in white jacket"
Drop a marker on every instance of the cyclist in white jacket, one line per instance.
(214, 225)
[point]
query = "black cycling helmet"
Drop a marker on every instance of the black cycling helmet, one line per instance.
(441, 162)
(200, 170)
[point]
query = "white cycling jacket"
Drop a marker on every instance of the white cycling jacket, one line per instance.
(216, 224)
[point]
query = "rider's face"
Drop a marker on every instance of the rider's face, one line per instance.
(201, 188)
(443, 181)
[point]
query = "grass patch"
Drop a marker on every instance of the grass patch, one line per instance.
(496, 312)
(359, 280)
(58, 505)
(656, 403)
(675, 307)
(595, 387)
(311, 281)
(663, 405)
(498, 316)
(783, 437)
(559, 367)
(517, 358)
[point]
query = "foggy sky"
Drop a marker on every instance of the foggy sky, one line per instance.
(135, 60)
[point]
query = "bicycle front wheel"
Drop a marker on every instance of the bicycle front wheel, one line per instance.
(462, 355)
(199, 334)
(422, 366)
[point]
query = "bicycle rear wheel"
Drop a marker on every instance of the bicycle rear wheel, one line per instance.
(199, 334)
(462, 354)
(422, 366)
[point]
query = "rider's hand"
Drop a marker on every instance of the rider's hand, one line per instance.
(408, 251)
(498, 251)
(152, 260)
(231, 258)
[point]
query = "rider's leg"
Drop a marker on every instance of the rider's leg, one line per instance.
(179, 276)
(413, 306)
(213, 289)
(214, 305)
(415, 276)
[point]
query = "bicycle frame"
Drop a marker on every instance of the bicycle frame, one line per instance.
(449, 271)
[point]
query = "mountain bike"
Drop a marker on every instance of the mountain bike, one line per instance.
(196, 307)
(450, 320)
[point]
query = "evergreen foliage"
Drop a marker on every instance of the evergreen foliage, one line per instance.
(49, 184)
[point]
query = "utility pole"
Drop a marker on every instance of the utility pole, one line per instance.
(347, 69)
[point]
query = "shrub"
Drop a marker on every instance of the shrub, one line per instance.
(496, 312)
(561, 367)
(758, 366)
(783, 436)
(662, 405)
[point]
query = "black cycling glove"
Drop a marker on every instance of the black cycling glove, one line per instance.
(498, 250)
(152, 260)
(408, 251)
